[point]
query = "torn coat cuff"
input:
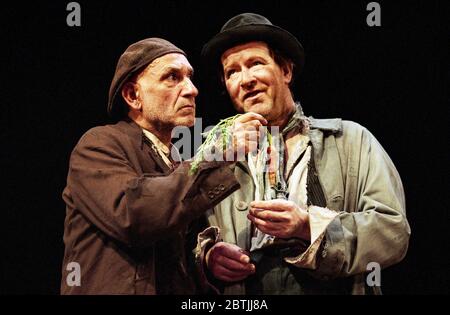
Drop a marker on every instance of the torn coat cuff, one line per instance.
(205, 240)
(319, 219)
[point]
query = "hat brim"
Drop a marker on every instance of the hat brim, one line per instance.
(273, 35)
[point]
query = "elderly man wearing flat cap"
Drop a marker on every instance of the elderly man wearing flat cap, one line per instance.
(333, 206)
(128, 201)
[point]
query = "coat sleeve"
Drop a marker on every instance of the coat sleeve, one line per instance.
(140, 209)
(376, 230)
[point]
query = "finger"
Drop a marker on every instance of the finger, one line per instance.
(234, 265)
(228, 275)
(252, 139)
(252, 146)
(243, 136)
(232, 251)
(251, 116)
(243, 146)
(219, 269)
(275, 205)
(268, 215)
(273, 226)
(246, 135)
(272, 232)
(252, 125)
(251, 135)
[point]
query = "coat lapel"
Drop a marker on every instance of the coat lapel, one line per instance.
(150, 149)
(326, 162)
(144, 146)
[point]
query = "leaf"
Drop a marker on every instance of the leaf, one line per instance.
(222, 128)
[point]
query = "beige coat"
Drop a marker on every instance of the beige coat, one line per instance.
(359, 181)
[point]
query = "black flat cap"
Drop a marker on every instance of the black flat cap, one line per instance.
(136, 57)
(248, 27)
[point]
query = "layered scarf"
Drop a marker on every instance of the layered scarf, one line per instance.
(267, 169)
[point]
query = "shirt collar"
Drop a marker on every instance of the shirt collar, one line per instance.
(162, 149)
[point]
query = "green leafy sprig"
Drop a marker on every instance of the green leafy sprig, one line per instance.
(220, 133)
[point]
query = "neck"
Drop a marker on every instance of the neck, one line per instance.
(282, 120)
(163, 136)
(163, 133)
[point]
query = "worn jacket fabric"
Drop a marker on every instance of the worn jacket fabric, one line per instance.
(359, 182)
(127, 213)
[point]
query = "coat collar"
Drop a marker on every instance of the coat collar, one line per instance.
(132, 129)
(333, 125)
(139, 140)
(317, 127)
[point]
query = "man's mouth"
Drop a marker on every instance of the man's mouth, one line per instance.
(251, 94)
(188, 106)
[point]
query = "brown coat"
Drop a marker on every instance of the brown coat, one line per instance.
(127, 213)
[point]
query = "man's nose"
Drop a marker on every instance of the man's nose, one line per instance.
(189, 88)
(247, 79)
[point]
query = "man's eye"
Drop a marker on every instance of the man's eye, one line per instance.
(173, 76)
(256, 63)
(229, 73)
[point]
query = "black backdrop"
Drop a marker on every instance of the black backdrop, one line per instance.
(391, 79)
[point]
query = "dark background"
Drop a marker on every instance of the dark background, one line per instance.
(392, 79)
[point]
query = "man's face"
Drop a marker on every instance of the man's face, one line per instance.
(167, 93)
(255, 82)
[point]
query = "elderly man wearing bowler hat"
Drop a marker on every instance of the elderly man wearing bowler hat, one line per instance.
(128, 201)
(333, 206)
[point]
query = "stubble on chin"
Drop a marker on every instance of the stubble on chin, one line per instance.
(260, 108)
(185, 121)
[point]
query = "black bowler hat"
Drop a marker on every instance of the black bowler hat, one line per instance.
(134, 59)
(247, 27)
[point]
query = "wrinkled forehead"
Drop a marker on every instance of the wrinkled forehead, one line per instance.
(244, 51)
(170, 61)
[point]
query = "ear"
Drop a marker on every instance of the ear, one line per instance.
(287, 68)
(130, 94)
